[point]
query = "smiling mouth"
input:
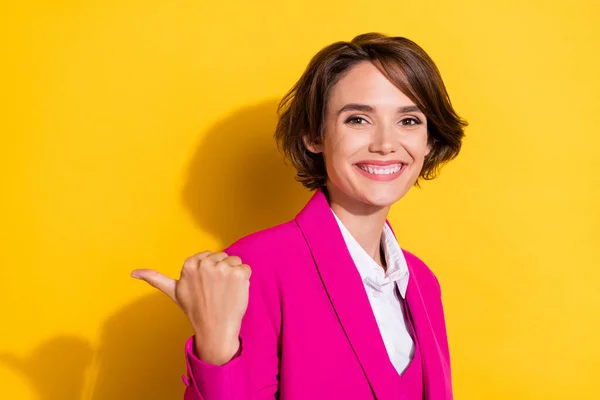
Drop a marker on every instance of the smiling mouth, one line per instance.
(381, 169)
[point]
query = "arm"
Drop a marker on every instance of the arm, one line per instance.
(252, 374)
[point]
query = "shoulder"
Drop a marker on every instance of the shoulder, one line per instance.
(270, 251)
(275, 239)
(276, 256)
(421, 271)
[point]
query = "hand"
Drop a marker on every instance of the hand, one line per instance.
(212, 291)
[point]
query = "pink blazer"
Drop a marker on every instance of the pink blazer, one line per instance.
(309, 331)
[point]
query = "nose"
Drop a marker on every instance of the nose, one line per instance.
(385, 140)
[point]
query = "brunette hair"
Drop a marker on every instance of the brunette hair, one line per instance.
(404, 63)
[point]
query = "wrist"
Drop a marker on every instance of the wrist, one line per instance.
(216, 352)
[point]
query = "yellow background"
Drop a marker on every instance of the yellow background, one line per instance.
(135, 133)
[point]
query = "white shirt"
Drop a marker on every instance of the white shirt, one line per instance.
(383, 290)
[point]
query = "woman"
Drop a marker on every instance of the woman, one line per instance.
(334, 308)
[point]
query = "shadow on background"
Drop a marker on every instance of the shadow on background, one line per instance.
(56, 369)
(237, 184)
(141, 354)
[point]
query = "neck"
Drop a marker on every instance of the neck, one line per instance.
(364, 221)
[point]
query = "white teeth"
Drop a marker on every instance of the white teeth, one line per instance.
(381, 171)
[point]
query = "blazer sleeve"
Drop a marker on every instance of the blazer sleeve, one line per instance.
(253, 373)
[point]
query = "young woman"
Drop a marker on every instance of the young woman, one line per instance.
(327, 305)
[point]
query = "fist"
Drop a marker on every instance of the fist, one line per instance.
(212, 291)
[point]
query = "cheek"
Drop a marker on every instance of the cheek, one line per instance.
(417, 146)
(339, 148)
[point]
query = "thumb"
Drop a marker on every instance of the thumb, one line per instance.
(158, 280)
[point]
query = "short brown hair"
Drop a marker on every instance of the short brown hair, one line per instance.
(404, 63)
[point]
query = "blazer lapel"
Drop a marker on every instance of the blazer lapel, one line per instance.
(436, 377)
(347, 294)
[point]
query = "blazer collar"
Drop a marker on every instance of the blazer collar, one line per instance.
(347, 294)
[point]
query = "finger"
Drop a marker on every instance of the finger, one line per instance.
(217, 257)
(212, 260)
(244, 270)
(158, 280)
(198, 256)
(233, 260)
(191, 263)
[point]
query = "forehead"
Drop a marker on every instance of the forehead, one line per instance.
(365, 84)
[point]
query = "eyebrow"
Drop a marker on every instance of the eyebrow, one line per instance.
(368, 108)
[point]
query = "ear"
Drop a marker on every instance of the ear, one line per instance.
(315, 147)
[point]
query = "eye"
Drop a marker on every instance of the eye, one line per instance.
(356, 120)
(410, 121)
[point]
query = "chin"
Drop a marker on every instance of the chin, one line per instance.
(372, 194)
(380, 192)
(382, 196)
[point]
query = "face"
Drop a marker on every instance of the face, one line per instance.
(375, 139)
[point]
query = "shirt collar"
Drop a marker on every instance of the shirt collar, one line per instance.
(371, 273)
